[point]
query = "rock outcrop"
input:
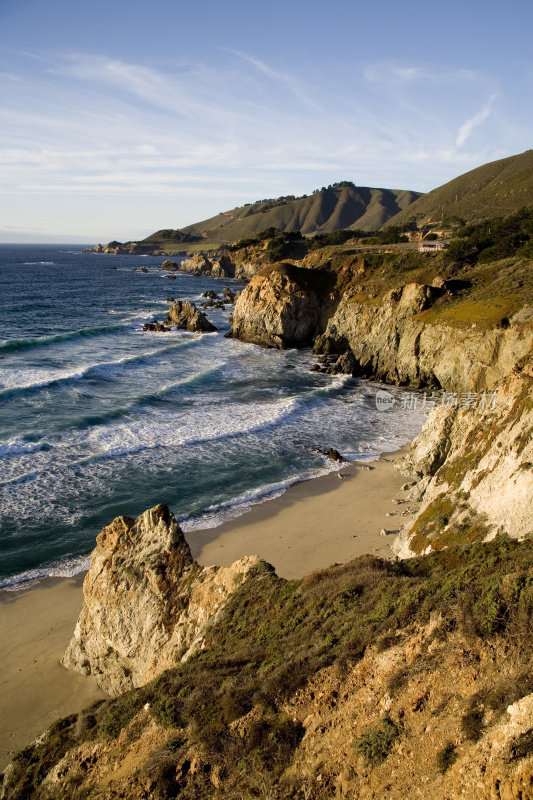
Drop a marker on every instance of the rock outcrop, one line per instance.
(220, 266)
(367, 680)
(169, 265)
(147, 603)
(184, 315)
(282, 306)
(474, 470)
(392, 342)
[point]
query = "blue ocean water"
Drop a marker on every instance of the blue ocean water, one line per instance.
(98, 418)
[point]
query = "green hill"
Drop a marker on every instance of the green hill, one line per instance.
(341, 205)
(495, 189)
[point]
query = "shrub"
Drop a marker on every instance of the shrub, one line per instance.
(375, 745)
(446, 757)
(472, 724)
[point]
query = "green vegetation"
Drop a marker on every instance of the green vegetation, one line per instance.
(339, 206)
(274, 635)
(375, 745)
(278, 245)
(493, 239)
(446, 757)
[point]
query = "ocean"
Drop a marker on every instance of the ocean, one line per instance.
(98, 418)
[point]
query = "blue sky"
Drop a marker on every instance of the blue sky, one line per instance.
(118, 118)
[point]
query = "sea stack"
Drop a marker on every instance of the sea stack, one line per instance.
(147, 603)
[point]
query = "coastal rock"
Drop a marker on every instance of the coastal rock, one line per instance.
(184, 315)
(281, 307)
(147, 603)
(229, 296)
(474, 470)
(391, 342)
(156, 326)
(200, 264)
(210, 295)
(332, 454)
(169, 265)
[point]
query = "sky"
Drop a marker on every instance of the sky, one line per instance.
(118, 118)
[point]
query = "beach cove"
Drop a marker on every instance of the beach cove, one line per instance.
(313, 524)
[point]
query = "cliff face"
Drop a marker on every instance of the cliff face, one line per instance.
(474, 470)
(147, 603)
(282, 306)
(391, 342)
(473, 462)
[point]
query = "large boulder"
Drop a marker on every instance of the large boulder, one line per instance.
(184, 315)
(281, 307)
(147, 603)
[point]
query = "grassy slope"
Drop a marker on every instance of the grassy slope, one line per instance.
(500, 187)
(330, 209)
(273, 637)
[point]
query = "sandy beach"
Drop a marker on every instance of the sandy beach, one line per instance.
(311, 526)
(314, 523)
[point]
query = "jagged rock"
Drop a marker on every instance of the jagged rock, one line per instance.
(474, 470)
(200, 264)
(159, 327)
(392, 343)
(210, 294)
(229, 295)
(346, 364)
(169, 299)
(171, 277)
(281, 307)
(144, 269)
(332, 454)
(169, 265)
(184, 315)
(147, 603)
(213, 304)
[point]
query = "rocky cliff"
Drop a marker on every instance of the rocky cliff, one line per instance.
(336, 686)
(461, 336)
(282, 306)
(474, 470)
(147, 603)
(391, 341)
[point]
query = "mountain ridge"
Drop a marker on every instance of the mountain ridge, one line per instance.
(340, 205)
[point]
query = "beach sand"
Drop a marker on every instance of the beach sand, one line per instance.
(312, 525)
(35, 689)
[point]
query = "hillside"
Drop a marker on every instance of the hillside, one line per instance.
(341, 205)
(337, 685)
(500, 187)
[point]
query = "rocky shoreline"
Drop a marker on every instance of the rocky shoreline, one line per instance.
(334, 675)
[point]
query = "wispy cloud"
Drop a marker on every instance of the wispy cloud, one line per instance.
(393, 74)
(292, 83)
(88, 124)
(467, 127)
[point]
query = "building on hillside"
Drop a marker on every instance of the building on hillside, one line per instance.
(432, 247)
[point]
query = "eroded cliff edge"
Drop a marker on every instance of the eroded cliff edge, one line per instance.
(147, 603)
(463, 335)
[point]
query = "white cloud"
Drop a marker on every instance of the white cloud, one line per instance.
(467, 127)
